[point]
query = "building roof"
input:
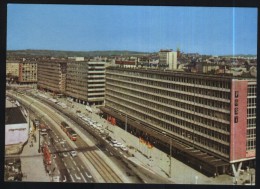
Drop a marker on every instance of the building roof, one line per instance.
(13, 115)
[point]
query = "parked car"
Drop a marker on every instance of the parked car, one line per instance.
(124, 148)
(114, 141)
(118, 144)
(73, 153)
(56, 178)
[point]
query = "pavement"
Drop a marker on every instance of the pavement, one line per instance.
(32, 162)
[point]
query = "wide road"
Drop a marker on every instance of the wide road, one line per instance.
(74, 165)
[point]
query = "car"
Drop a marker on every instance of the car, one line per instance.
(43, 133)
(56, 178)
(118, 144)
(65, 154)
(124, 148)
(73, 153)
(53, 156)
(113, 141)
(99, 124)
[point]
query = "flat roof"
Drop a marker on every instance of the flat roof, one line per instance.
(180, 73)
(13, 115)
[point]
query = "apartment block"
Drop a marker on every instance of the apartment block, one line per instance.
(27, 72)
(52, 76)
(12, 69)
(210, 118)
(86, 82)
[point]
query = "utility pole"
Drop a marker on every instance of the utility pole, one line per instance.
(126, 123)
(170, 159)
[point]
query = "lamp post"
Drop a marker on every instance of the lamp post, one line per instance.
(126, 123)
(170, 155)
(39, 148)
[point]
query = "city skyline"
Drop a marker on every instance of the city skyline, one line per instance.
(203, 30)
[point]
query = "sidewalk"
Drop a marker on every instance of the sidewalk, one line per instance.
(32, 162)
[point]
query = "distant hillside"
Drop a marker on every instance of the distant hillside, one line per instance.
(241, 55)
(56, 53)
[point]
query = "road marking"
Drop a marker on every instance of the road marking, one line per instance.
(79, 178)
(65, 179)
(78, 169)
(120, 152)
(83, 177)
(89, 176)
(68, 170)
(72, 178)
(74, 162)
(82, 167)
(65, 164)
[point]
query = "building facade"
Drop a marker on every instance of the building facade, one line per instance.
(168, 59)
(16, 129)
(27, 72)
(52, 76)
(12, 69)
(208, 117)
(86, 82)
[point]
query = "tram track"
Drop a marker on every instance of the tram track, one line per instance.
(106, 172)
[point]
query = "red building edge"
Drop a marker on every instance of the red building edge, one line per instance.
(238, 123)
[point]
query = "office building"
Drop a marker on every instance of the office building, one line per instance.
(52, 76)
(209, 119)
(168, 59)
(86, 82)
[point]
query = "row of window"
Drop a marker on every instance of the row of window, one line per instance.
(199, 140)
(251, 102)
(251, 112)
(163, 95)
(158, 118)
(177, 107)
(251, 90)
(188, 78)
(251, 144)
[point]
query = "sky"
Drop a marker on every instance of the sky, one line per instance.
(203, 30)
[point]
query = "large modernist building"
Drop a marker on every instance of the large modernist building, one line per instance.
(52, 76)
(86, 82)
(209, 118)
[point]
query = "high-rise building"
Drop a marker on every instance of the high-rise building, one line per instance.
(27, 72)
(168, 59)
(210, 119)
(52, 76)
(86, 82)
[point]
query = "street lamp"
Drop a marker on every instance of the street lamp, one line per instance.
(125, 122)
(39, 149)
(170, 155)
